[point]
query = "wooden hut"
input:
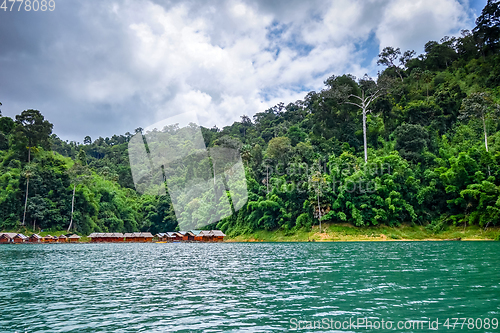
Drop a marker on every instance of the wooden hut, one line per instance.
(198, 235)
(202, 235)
(147, 237)
(73, 238)
(48, 239)
(178, 237)
(96, 237)
(207, 236)
(174, 237)
(19, 238)
(129, 237)
(118, 237)
(7, 237)
(217, 235)
(188, 236)
(92, 237)
(162, 237)
(137, 237)
(35, 238)
(62, 239)
(108, 237)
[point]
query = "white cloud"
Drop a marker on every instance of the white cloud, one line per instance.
(410, 24)
(132, 63)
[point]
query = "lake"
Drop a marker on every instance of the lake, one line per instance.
(252, 287)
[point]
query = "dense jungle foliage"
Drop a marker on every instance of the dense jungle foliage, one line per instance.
(432, 147)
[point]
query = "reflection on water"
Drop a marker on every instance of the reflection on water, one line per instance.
(241, 286)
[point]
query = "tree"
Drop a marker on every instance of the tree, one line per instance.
(487, 28)
(82, 157)
(296, 135)
(369, 92)
(318, 179)
(390, 56)
(35, 128)
(88, 140)
(480, 105)
(278, 148)
(411, 140)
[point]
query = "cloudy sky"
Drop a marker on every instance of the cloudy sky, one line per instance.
(100, 68)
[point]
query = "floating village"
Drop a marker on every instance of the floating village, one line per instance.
(133, 237)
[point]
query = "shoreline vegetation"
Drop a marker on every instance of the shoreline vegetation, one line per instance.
(349, 233)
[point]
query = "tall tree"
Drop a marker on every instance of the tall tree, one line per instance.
(481, 106)
(35, 128)
(487, 28)
(32, 125)
(367, 93)
(393, 58)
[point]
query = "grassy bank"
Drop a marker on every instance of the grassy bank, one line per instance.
(346, 232)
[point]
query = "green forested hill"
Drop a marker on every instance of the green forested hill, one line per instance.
(433, 153)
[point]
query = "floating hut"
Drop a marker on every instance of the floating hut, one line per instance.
(35, 238)
(117, 237)
(169, 237)
(49, 239)
(207, 236)
(147, 236)
(188, 236)
(217, 235)
(62, 239)
(201, 235)
(135, 237)
(129, 236)
(162, 237)
(7, 237)
(96, 237)
(19, 238)
(175, 236)
(74, 238)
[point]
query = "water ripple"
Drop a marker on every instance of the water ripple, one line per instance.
(240, 287)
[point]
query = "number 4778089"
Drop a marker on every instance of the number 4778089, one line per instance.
(29, 5)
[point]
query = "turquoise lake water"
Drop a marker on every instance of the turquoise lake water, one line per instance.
(247, 287)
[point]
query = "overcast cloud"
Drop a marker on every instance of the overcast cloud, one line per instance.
(100, 68)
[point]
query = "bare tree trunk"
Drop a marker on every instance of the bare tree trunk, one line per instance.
(319, 211)
(72, 207)
(27, 184)
(485, 135)
(26, 199)
(267, 178)
(364, 136)
(364, 103)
